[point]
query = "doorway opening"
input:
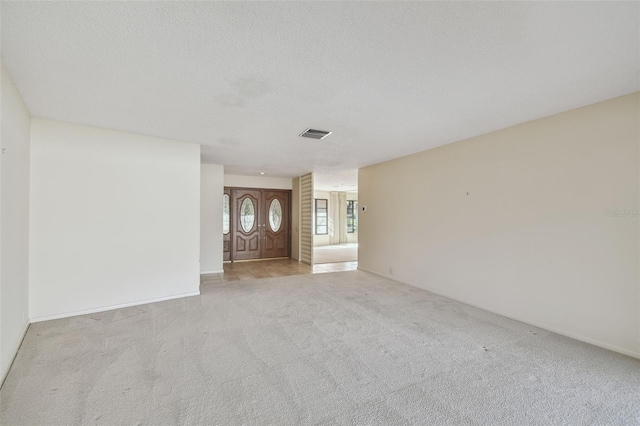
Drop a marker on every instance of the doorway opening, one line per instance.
(256, 223)
(335, 218)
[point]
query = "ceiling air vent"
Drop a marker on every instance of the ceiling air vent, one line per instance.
(314, 134)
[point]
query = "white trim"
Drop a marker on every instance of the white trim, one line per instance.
(594, 342)
(108, 308)
(14, 354)
(217, 271)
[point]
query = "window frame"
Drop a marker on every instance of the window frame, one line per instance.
(353, 220)
(326, 216)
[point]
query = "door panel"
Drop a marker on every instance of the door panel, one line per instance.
(276, 223)
(247, 207)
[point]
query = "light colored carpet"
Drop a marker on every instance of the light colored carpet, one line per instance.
(340, 348)
(335, 253)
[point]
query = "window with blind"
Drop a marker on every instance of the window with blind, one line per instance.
(322, 216)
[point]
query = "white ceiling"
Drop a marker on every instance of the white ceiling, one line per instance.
(343, 181)
(245, 78)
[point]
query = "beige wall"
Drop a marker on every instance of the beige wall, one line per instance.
(538, 222)
(14, 221)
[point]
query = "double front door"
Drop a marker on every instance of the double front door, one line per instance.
(259, 223)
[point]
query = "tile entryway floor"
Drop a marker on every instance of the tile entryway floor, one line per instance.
(239, 271)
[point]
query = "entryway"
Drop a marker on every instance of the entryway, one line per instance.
(257, 223)
(243, 271)
(335, 217)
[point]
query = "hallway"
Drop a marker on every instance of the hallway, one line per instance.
(335, 253)
(241, 271)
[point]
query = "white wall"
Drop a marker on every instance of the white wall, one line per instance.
(519, 222)
(14, 219)
(211, 191)
(240, 181)
(115, 219)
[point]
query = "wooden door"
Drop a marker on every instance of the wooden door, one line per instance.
(275, 224)
(260, 224)
(247, 233)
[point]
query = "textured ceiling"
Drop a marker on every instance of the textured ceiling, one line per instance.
(244, 79)
(343, 180)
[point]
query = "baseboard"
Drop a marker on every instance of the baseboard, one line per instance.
(111, 307)
(594, 342)
(215, 271)
(14, 353)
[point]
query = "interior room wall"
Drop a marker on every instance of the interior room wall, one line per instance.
(14, 220)
(240, 181)
(211, 192)
(115, 219)
(538, 222)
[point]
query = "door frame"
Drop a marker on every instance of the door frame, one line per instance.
(261, 211)
(228, 237)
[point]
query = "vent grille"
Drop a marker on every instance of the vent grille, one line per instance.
(314, 134)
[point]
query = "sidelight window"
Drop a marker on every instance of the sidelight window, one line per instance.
(225, 214)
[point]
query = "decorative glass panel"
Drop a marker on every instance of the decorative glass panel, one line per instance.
(225, 214)
(247, 215)
(275, 215)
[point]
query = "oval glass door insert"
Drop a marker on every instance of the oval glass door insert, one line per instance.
(225, 214)
(247, 215)
(275, 215)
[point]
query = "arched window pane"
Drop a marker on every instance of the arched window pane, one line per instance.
(247, 215)
(275, 215)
